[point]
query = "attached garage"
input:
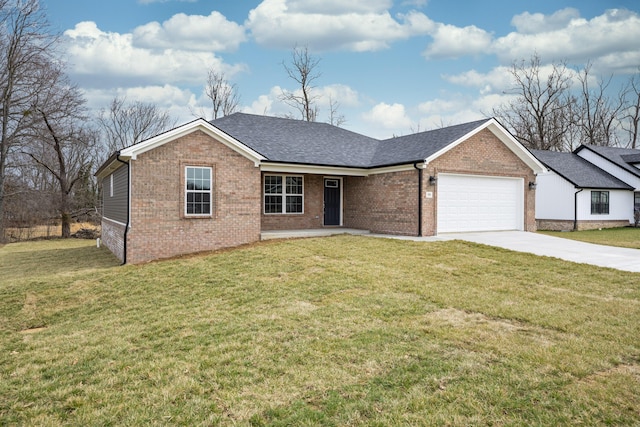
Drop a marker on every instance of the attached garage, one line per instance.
(479, 203)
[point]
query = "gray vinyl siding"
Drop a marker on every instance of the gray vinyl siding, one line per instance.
(115, 207)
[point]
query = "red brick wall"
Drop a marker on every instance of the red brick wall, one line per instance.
(313, 211)
(383, 203)
(482, 154)
(159, 228)
(112, 236)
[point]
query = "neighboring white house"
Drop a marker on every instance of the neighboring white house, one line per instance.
(593, 187)
(623, 163)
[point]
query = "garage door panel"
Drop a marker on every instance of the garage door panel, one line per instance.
(479, 203)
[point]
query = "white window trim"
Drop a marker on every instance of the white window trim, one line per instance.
(284, 195)
(187, 191)
(111, 185)
(608, 202)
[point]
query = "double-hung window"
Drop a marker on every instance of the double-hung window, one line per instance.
(283, 194)
(599, 202)
(198, 190)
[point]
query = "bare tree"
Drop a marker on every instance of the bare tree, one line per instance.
(598, 113)
(304, 71)
(61, 143)
(335, 118)
(125, 124)
(223, 95)
(542, 115)
(631, 116)
(25, 45)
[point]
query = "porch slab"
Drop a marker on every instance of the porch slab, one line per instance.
(316, 232)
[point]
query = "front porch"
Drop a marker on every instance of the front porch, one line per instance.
(316, 232)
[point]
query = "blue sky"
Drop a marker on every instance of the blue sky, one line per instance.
(394, 66)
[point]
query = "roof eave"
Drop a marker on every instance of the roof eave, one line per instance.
(505, 137)
(109, 166)
(134, 151)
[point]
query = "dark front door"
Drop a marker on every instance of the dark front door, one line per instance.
(332, 206)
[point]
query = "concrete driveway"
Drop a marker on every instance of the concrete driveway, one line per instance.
(604, 256)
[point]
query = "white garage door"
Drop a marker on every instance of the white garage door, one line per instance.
(479, 203)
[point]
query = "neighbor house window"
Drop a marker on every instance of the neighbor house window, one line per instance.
(636, 201)
(198, 190)
(111, 185)
(599, 202)
(283, 194)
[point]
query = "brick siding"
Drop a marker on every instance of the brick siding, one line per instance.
(313, 215)
(112, 236)
(482, 154)
(567, 225)
(159, 227)
(388, 203)
(384, 203)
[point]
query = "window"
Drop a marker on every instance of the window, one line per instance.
(111, 185)
(283, 194)
(636, 201)
(599, 202)
(198, 191)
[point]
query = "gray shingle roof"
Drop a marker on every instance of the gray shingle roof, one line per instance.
(297, 141)
(615, 154)
(579, 171)
(419, 146)
(631, 158)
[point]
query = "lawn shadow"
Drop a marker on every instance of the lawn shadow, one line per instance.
(52, 258)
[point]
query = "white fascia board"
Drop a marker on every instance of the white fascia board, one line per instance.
(331, 170)
(505, 137)
(397, 168)
(312, 169)
(200, 124)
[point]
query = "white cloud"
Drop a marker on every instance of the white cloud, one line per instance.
(458, 108)
(356, 25)
(105, 59)
(270, 104)
(338, 7)
(498, 79)
(338, 93)
(564, 35)
(391, 117)
(177, 101)
(191, 32)
(534, 23)
(450, 41)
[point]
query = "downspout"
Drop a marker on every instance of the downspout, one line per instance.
(415, 165)
(575, 209)
(126, 228)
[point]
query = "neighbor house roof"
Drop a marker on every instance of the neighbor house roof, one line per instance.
(623, 157)
(631, 158)
(578, 171)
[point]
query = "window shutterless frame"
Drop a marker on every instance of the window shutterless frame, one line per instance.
(283, 194)
(599, 202)
(198, 191)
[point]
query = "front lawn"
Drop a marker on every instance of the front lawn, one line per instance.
(625, 237)
(335, 331)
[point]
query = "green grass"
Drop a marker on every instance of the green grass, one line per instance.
(625, 237)
(332, 331)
